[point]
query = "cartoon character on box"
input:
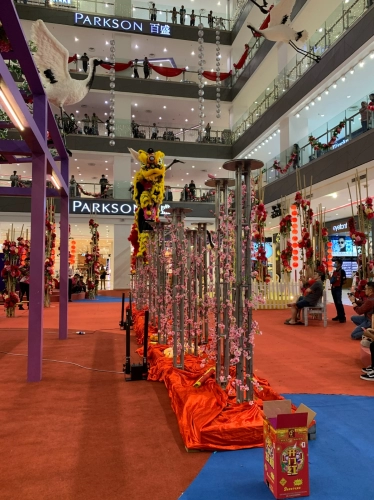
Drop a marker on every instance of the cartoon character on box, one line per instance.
(149, 190)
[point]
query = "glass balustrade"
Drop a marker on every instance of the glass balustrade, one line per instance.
(335, 26)
(323, 134)
(119, 190)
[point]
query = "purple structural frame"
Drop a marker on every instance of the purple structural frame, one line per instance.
(33, 147)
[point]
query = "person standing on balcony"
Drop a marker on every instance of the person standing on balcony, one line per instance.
(337, 281)
(73, 186)
(146, 67)
(103, 185)
(87, 121)
(192, 188)
(192, 18)
(153, 12)
(210, 19)
(296, 151)
(85, 60)
(95, 124)
(207, 132)
(182, 14)
(14, 179)
(135, 66)
(154, 131)
(174, 16)
(364, 112)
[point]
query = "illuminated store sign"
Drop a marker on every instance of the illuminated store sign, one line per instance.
(103, 207)
(122, 24)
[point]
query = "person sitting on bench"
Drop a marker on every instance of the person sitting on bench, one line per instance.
(311, 298)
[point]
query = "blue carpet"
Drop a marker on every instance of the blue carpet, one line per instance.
(341, 459)
(103, 298)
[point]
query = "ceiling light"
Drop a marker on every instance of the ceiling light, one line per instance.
(348, 96)
(319, 98)
(259, 147)
(307, 108)
(75, 159)
(322, 115)
(193, 166)
(334, 86)
(165, 49)
(312, 103)
(186, 120)
(136, 45)
(372, 55)
(107, 43)
(107, 169)
(297, 115)
(106, 114)
(352, 71)
(255, 149)
(262, 143)
(106, 102)
(334, 195)
(361, 64)
(76, 39)
(192, 109)
(274, 134)
(106, 161)
(159, 118)
(135, 104)
(164, 107)
(270, 137)
(327, 91)
(192, 53)
(320, 30)
(266, 140)
(343, 78)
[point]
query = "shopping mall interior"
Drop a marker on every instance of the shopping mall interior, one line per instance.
(131, 133)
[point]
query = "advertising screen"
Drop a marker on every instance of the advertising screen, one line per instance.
(342, 246)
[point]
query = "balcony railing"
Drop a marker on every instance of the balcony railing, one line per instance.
(353, 128)
(140, 10)
(334, 27)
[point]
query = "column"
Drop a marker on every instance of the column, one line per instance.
(122, 115)
(123, 8)
(122, 177)
(121, 255)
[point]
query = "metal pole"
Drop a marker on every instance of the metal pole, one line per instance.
(248, 361)
(196, 339)
(218, 282)
(238, 272)
(181, 291)
(226, 295)
(174, 293)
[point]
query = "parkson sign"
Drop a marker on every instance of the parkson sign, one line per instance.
(122, 24)
(102, 207)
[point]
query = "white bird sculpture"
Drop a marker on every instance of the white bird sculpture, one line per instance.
(279, 29)
(51, 59)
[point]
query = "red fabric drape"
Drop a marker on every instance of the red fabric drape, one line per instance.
(212, 75)
(117, 66)
(72, 58)
(167, 71)
(241, 61)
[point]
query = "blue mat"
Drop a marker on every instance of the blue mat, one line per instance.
(341, 459)
(103, 298)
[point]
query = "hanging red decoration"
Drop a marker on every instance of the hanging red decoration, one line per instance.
(212, 75)
(168, 72)
(117, 66)
(243, 58)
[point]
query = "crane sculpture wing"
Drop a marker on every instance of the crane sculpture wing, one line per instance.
(281, 13)
(51, 57)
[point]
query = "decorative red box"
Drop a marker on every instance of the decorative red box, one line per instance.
(286, 465)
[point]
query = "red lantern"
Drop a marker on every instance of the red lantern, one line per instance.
(295, 264)
(294, 213)
(294, 245)
(329, 244)
(295, 238)
(295, 231)
(293, 207)
(294, 219)
(73, 242)
(295, 258)
(295, 252)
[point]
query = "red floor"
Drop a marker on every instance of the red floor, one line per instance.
(81, 434)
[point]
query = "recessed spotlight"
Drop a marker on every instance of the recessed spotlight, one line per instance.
(164, 107)
(297, 115)
(165, 49)
(136, 47)
(192, 53)
(107, 43)
(132, 116)
(186, 120)
(352, 71)
(106, 102)
(192, 109)
(159, 118)
(372, 55)
(106, 161)
(307, 108)
(334, 86)
(361, 64)
(75, 159)
(343, 78)
(76, 39)
(327, 91)
(312, 103)
(348, 96)
(135, 104)
(193, 166)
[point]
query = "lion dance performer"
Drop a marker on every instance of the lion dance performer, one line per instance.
(149, 190)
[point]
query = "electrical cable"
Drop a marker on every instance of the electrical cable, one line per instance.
(69, 362)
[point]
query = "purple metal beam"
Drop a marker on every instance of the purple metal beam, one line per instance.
(31, 134)
(64, 255)
(14, 147)
(17, 38)
(56, 136)
(18, 191)
(37, 254)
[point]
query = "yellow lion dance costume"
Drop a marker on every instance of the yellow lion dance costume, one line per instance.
(149, 191)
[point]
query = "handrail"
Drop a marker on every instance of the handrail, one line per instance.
(303, 154)
(300, 65)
